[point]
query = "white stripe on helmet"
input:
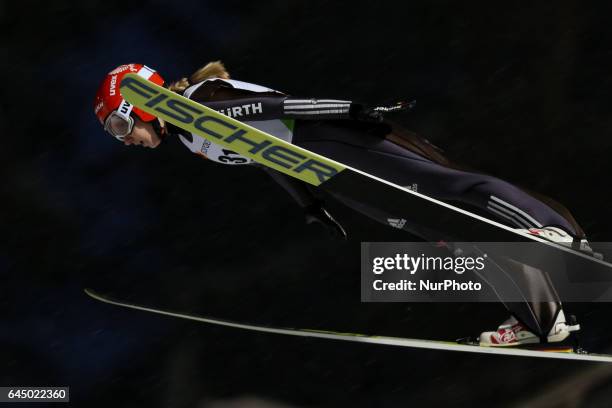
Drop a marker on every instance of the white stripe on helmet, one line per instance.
(125, 108)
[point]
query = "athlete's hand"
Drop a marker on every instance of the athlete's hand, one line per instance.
(365, 114)
(316, 214)
(375, 114)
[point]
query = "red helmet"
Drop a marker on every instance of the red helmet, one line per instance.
(109, 99)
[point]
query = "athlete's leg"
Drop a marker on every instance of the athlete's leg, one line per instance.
(499, 199)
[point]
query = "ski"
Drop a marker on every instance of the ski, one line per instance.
(388, 203)
(564, 353)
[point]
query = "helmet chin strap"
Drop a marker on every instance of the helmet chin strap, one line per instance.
(160, 129)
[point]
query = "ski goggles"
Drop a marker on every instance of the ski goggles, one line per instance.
(119, 125)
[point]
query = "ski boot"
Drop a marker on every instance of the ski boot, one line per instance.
(559, 236)
(513, 333)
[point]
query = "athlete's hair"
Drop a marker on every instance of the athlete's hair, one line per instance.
(214, 69)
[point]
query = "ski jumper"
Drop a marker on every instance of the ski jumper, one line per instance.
(385, 150)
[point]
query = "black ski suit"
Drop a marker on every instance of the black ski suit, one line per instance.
(387, 151)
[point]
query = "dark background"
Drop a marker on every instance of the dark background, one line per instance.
(520, 91)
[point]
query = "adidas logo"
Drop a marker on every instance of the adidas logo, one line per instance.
(396, 222)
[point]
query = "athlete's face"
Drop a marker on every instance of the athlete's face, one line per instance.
(142, 134)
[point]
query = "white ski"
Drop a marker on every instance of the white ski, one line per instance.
(389, 203)
(564, 354)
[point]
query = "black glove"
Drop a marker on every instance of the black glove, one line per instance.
(316, 214)
(375, 114)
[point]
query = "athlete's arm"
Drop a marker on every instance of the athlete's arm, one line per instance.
(267, 107)
(314, 212)
(244, 104)
(251, 105)
(298, 190)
